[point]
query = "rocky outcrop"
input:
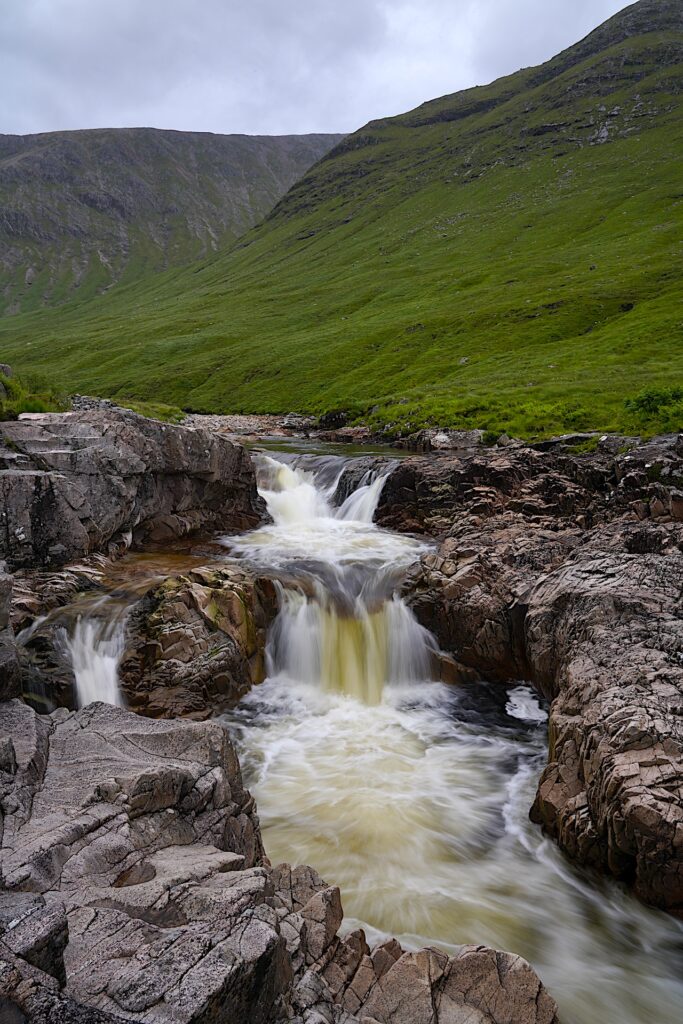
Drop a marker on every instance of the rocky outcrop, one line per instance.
(133, 871)
(604, 638)
(9, 661)
(195, 643)
(73, 483)
(565, 570)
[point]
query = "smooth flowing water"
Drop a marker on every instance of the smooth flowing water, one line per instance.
(95, 647)
(410, 795)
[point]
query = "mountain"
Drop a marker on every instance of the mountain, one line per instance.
(505, 257)
(80, 211)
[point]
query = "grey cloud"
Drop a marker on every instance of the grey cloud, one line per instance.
(265, 66)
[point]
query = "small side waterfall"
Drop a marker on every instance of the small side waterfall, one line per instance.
(95, 647)
(361, 505)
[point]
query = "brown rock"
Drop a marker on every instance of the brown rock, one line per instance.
(196, 642)
(561, 584)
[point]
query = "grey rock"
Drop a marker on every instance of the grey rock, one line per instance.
(140, 836)
(78, 482)
(10, 674)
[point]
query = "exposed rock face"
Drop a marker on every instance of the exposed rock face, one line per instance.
(76, 482)
(132, 867)
(80, 207)
(566, 570)
(9, 662)
(196, 642)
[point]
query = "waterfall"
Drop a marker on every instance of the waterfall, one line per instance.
(95, 647)
(361, 506)
(409, 794)
(354, 652)
(345, 631)
(295, 494)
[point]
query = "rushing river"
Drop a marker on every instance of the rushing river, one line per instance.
(410, 795)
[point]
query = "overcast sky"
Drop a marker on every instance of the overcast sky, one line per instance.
(263, 66)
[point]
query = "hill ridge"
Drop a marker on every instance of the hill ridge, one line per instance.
(82, 210)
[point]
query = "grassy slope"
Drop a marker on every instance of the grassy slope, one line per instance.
(457, 265)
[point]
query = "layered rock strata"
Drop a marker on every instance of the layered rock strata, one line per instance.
(73, 483)
(566, 570)
(135, 887)
(10, 680)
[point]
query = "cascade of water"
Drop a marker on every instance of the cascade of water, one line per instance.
(361, 505)
(296, 494)
(95, 647)
(352, 652)
(413, 796)
(350, 633)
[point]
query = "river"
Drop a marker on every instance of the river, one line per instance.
(411, 795)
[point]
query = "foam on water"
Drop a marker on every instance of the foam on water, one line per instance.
(95, 647)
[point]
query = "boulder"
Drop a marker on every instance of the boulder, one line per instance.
(435, 440)
(133, 871)
(195, 643)
(73, 483)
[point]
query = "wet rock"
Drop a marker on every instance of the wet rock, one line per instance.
(604, 637)
(435, 440)
(133, 870)
(77, 482)
(196, 643)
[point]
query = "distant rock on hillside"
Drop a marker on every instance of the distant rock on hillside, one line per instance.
(82, 210)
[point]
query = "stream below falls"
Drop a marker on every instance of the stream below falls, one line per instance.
(411, 795)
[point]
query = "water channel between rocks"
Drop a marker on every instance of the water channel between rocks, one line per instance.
(411, 795)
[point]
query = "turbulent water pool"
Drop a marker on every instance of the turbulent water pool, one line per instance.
(411, 795)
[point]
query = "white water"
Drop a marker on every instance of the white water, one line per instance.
(95, 647)
(413, 796)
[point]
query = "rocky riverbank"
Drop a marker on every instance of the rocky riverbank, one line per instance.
(565, 569)
(73, 483)
(133, 870)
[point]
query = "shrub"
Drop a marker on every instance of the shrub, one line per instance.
(653, 400)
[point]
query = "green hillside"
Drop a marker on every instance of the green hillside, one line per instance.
(80, 211)
(506, 257)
